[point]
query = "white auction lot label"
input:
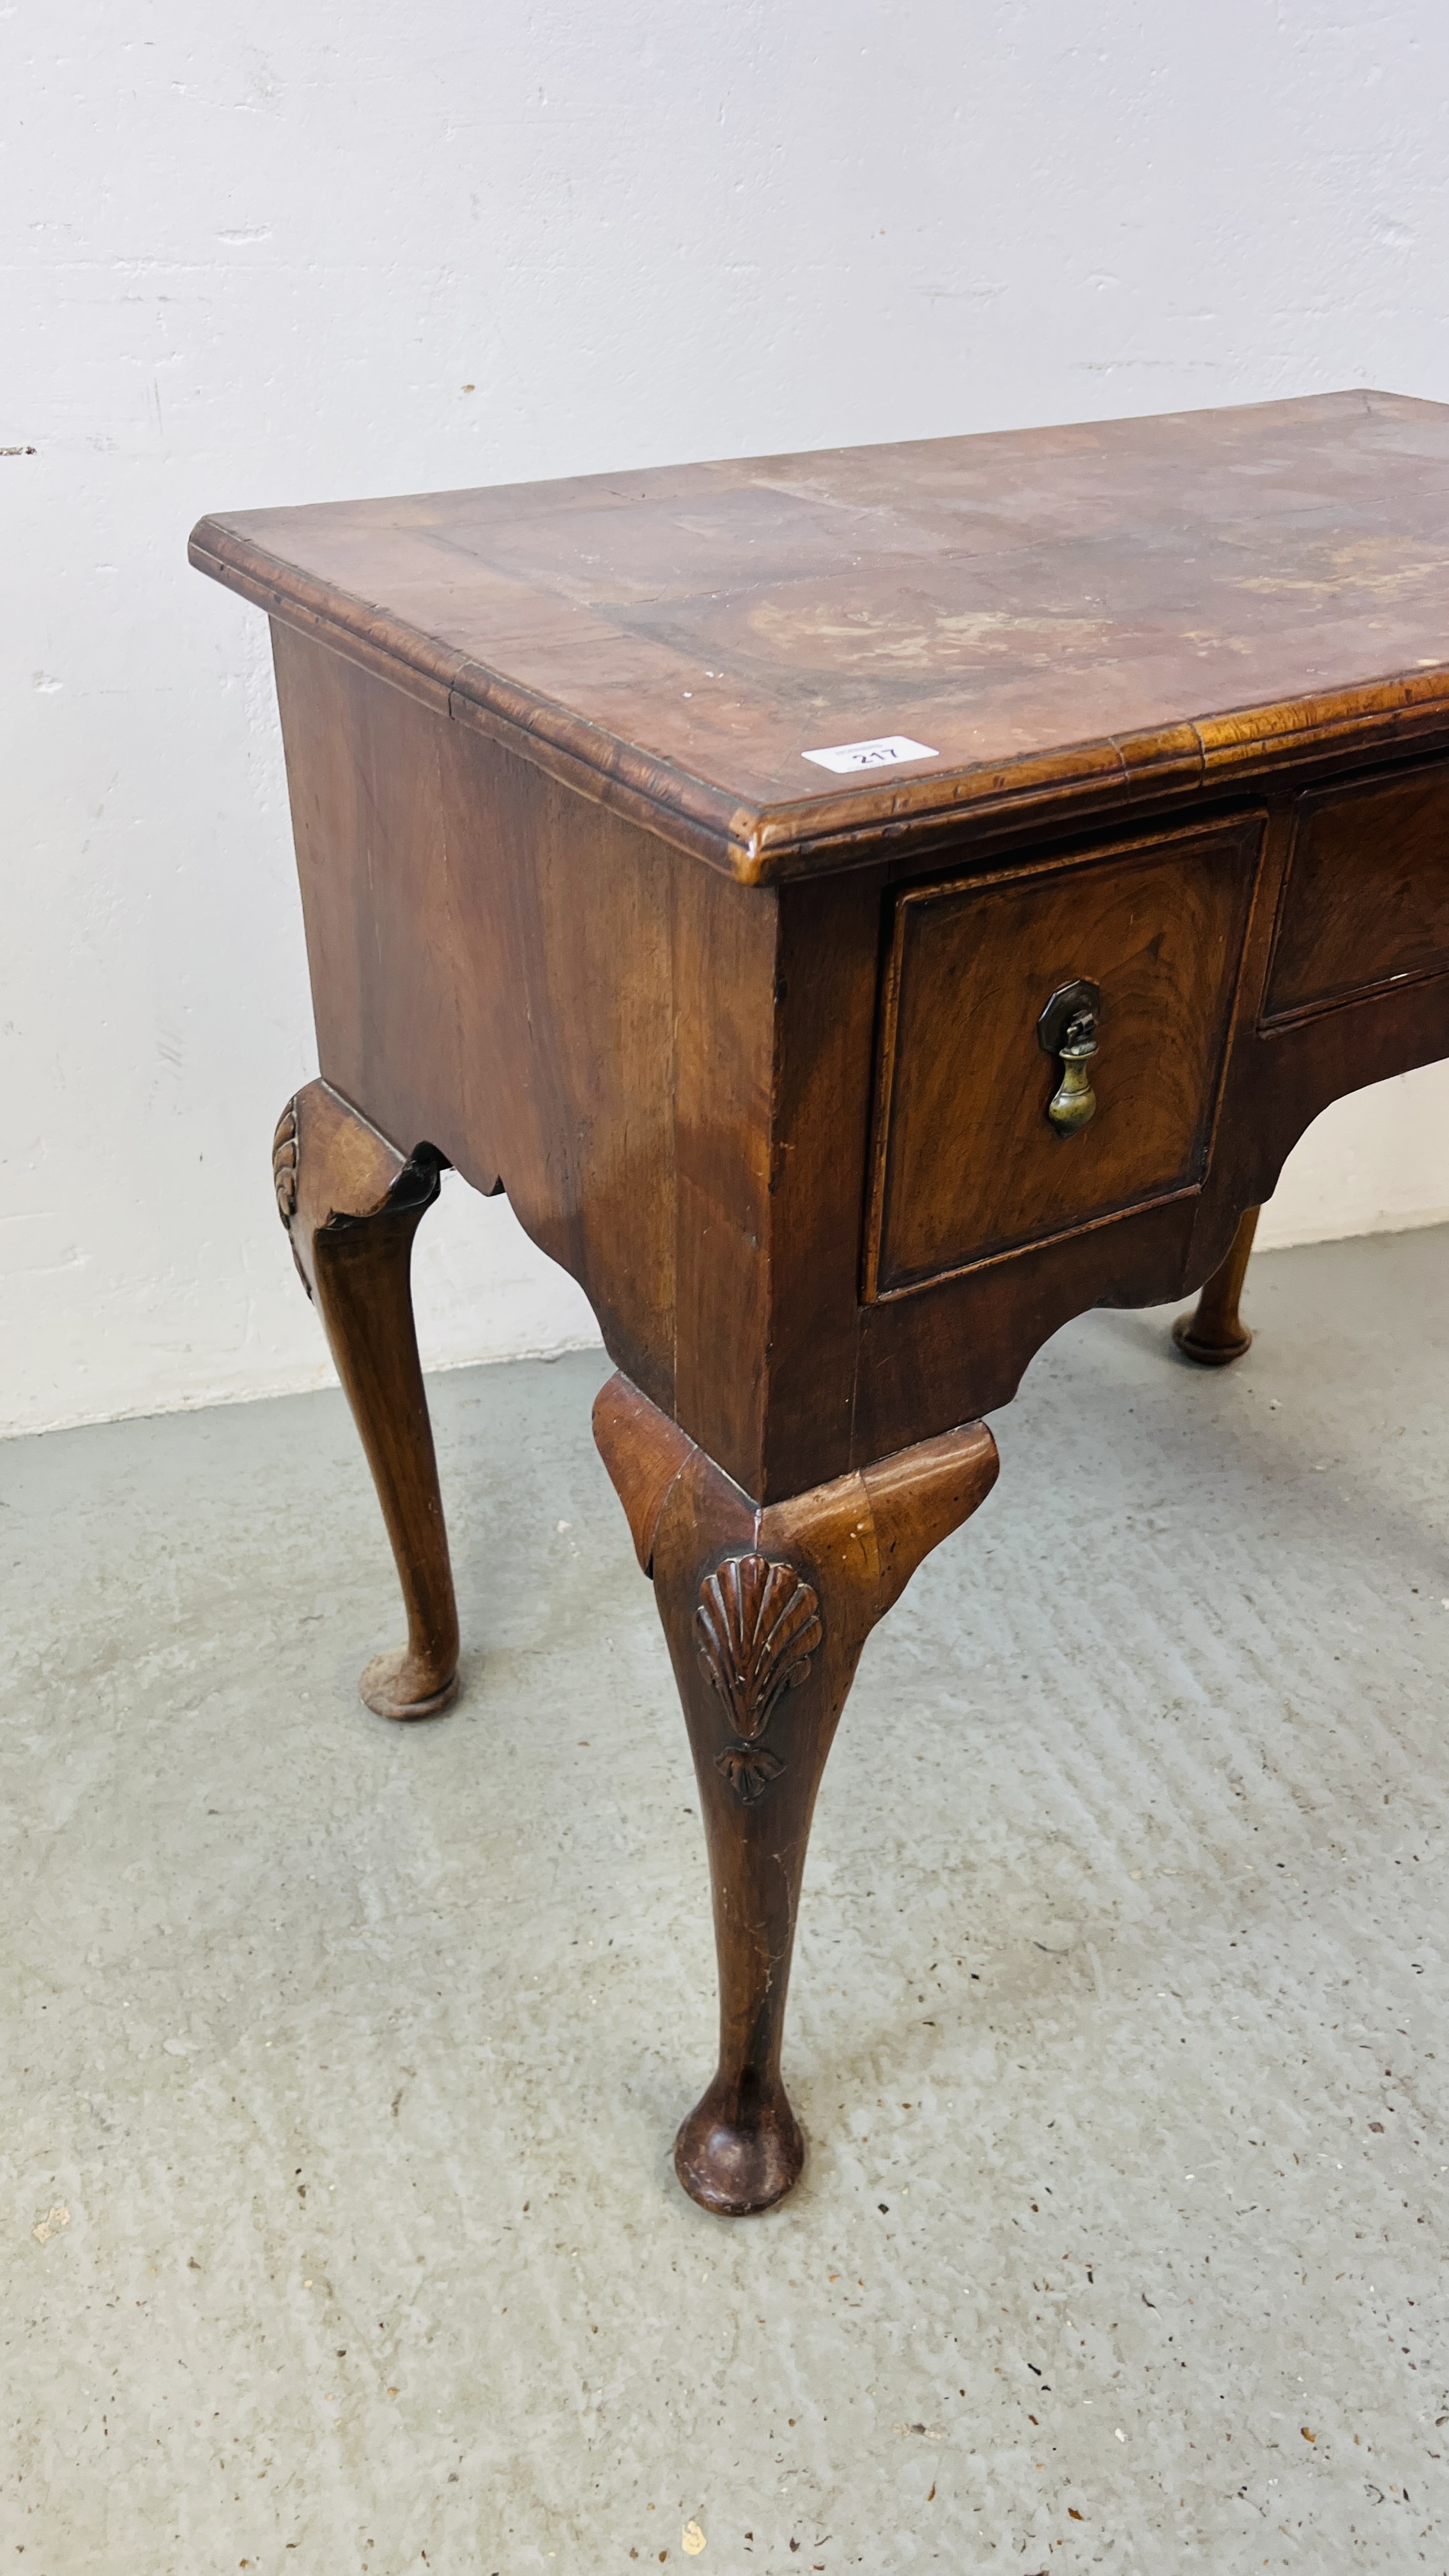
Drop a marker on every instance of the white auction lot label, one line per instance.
(886, 752)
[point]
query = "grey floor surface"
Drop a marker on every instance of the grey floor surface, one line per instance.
(341, 2061)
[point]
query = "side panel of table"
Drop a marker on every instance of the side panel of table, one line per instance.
(562, 1005)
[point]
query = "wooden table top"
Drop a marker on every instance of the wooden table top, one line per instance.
(1131, 602)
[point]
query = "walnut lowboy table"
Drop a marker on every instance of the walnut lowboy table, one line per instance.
(840, 1083)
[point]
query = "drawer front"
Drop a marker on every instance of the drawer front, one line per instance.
(1366, 899)
(967, 1163)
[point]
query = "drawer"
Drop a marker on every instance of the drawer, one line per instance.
(967, 1163)
(1366, 898)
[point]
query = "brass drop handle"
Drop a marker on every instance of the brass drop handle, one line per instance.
(1068, 1029)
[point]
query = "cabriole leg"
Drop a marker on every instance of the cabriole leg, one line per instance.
(765, 1613)
(351, 1205)
(1214, 1333)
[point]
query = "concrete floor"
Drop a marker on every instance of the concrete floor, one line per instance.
(342, 2061)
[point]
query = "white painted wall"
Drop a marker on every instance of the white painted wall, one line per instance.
(305, 250)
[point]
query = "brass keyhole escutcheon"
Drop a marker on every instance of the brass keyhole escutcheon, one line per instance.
(1068, 1029)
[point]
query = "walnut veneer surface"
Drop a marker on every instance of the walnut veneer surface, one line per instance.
(1051, 610)
(839, 1093)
